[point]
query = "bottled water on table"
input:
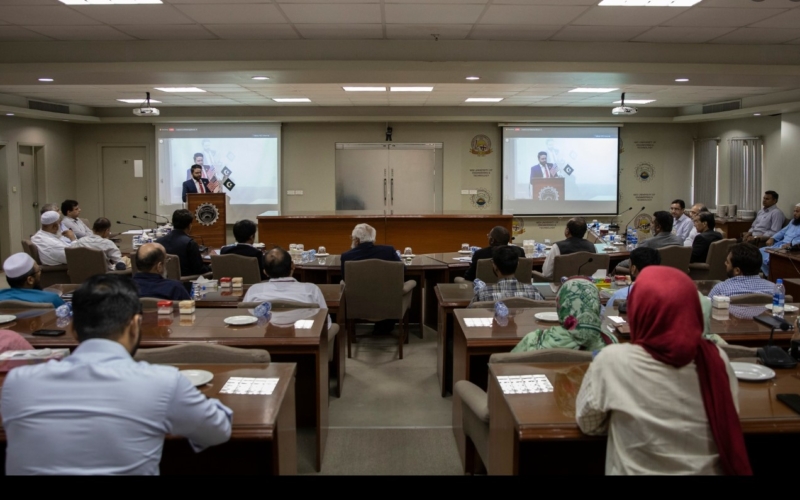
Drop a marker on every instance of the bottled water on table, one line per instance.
(64, 311)
(263, 310)
(478, 285)
(778, 299)
(501, 313)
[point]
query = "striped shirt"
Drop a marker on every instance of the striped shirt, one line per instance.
(506, 288)
(741, 285)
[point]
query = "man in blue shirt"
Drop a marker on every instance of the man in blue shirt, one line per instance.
(768, 221)
(98, 411)
(743, 263)
(151, 259)
(640, 258)
(23, 275)
(786, 237)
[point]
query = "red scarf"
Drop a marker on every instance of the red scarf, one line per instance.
(670, 328)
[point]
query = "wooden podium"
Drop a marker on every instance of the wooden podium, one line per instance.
(551, 189)
(208, 226)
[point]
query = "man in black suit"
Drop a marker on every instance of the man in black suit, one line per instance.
(498, 236)
(363, 247)
(196, 184)
(245, 233)
(543, 169)
(178, 242)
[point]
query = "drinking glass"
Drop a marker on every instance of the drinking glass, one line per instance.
(547, 242)
(408, 252)
(300, 247)
(322, 250)
(292, 246)
(465, 247)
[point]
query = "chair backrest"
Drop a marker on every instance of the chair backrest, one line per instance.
(757, 298)
(83, 263)
(523, 273)
(21, 304)
(280, 304)
(717, 253)
(30, 248)
(515, 303)
(173, 266)
(374, 289)
(232, 265)
(676, 256)
(542, 356)
(202, 353)
(568, 265)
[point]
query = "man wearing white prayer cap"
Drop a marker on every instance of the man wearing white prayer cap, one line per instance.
(50, 246)
(22, 275)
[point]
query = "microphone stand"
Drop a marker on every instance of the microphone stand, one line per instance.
(772, 355)
(132, 225)
(591, 259)
(148, 220)
(163, 217)
(632, 218)
(614, 226)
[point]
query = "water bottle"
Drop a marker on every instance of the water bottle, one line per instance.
(64, 311)
(478, 285)
(501, 313)
(778, 299)
(263, 310)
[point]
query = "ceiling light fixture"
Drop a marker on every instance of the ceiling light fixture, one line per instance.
(45, 79)
(291, 99)
(260, 78)
(9, 114)
(649, 3)
(179, 89)
(594, 90)
(364, 89)
(681, 80)
(138, 101)
(110, 2)
(484, 99)
(411, 89)
(756, 114)
(635, 101)
(473, 78)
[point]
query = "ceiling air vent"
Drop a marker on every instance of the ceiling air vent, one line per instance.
(718, 107)
(48, 106)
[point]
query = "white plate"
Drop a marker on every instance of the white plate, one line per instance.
(198, 377)
(547, 316)
(752, 371)
(240, 320)
(321, 255)
(7, 318)
(465, 251)
(786, 308)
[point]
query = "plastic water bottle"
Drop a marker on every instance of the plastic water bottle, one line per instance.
(64, 311)
(778, 299)
(501, 313)
(263, 310)
(478, 285)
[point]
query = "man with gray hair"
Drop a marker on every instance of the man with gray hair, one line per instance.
(696, 210)
(63, 232)
(363, 247)
(50, 245)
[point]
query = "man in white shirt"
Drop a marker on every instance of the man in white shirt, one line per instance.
(63, 232)
(50, 245)
(98, 240)
(574, 242)
(98, 411)
(71, 211)
(681, 225)
(696, 210)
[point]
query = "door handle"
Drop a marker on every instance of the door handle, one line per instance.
(145, 198)
(392, 190)
(384, 191)
(35, 204)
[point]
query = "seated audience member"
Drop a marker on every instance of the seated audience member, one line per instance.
(66, 235)
(245, 233)
(22, 275)
(666, 384)
(681, 224)
(785, 238)
(578, 305)
(704, 224)
(50, 245)
(178, 242)
(71, 210)
(13, 341)
(640, 259)
(696, 209)
(151, 259)
(662, 236)
(98, 411)
(98, 240)
(498, 236)
(769, 220)
(574, 242)
(363, 247)
(281, 284)
(743, 264)
(504, 264)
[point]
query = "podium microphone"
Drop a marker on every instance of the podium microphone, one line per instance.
(148, 220)
(162, 216)
(591, 259)
(202, 246)
(613, 226)
(772, 355)
(134, 225)
(637, 213)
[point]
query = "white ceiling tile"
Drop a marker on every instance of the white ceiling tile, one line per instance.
(253, 31)
(432, 14)
(340, 31)
(661, 34)
(546, 15)
(758, 36)
(722, 17)
(449, 2)
(168, 32)
(790, 19)
(30, 2)
(184, 2)
(233, 13)
(425, 31)
(326, 1)
(81, 32)
(333, 13)
(762, 4)
(503, 32)
(547, 2)
(628, 16)
(599, 33)
(145, 15)
(43, 16)
(17, 34)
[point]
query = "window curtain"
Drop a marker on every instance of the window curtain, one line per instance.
(746, 164)
(705, 172)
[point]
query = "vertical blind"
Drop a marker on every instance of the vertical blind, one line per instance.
(746, 163)
(705, 172)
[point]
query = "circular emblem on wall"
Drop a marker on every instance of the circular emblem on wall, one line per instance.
(482, 199)
(548, 193)
(645, 172)
(206, 214)
(517, 226)
(643, 222)
(481, 145)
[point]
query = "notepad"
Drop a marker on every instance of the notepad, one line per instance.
(478, 322)
(524, 384)
(249, 386)
(303, 324)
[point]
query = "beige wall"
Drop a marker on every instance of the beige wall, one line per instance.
(786, 174)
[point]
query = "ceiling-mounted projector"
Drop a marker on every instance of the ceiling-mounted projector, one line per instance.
(624, 110)
(146, 109)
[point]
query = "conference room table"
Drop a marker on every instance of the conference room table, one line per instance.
(537, 433)
(308, 348)
(263, 429)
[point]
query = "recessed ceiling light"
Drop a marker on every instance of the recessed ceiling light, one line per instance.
(45, 79)
(595, 90)
(473, 78)
(484, 99)
(179, 89)
(411, 89)
(291, 99)
(364, 89)
(756, 114)
(260, 78)
(137, 101)
(681, 79)
(649, 3)
(636, 101)
(109, 2)
(9, 114)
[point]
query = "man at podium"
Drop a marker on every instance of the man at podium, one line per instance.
(197, 184)
(544, 169)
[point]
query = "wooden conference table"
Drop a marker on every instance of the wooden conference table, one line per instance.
(537, 433)
(308, 348)
(263, 434)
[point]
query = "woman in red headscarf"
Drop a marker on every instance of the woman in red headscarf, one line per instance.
(669, 399)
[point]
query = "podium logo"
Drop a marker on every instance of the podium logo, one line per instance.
(481, 145)
(645, 172)
(548, 193)
(207, 214)
(482, 199)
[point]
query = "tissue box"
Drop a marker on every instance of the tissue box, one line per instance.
(224, 282)
(237, 282)
(720, 302)
(165, 307)
(186, 306)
